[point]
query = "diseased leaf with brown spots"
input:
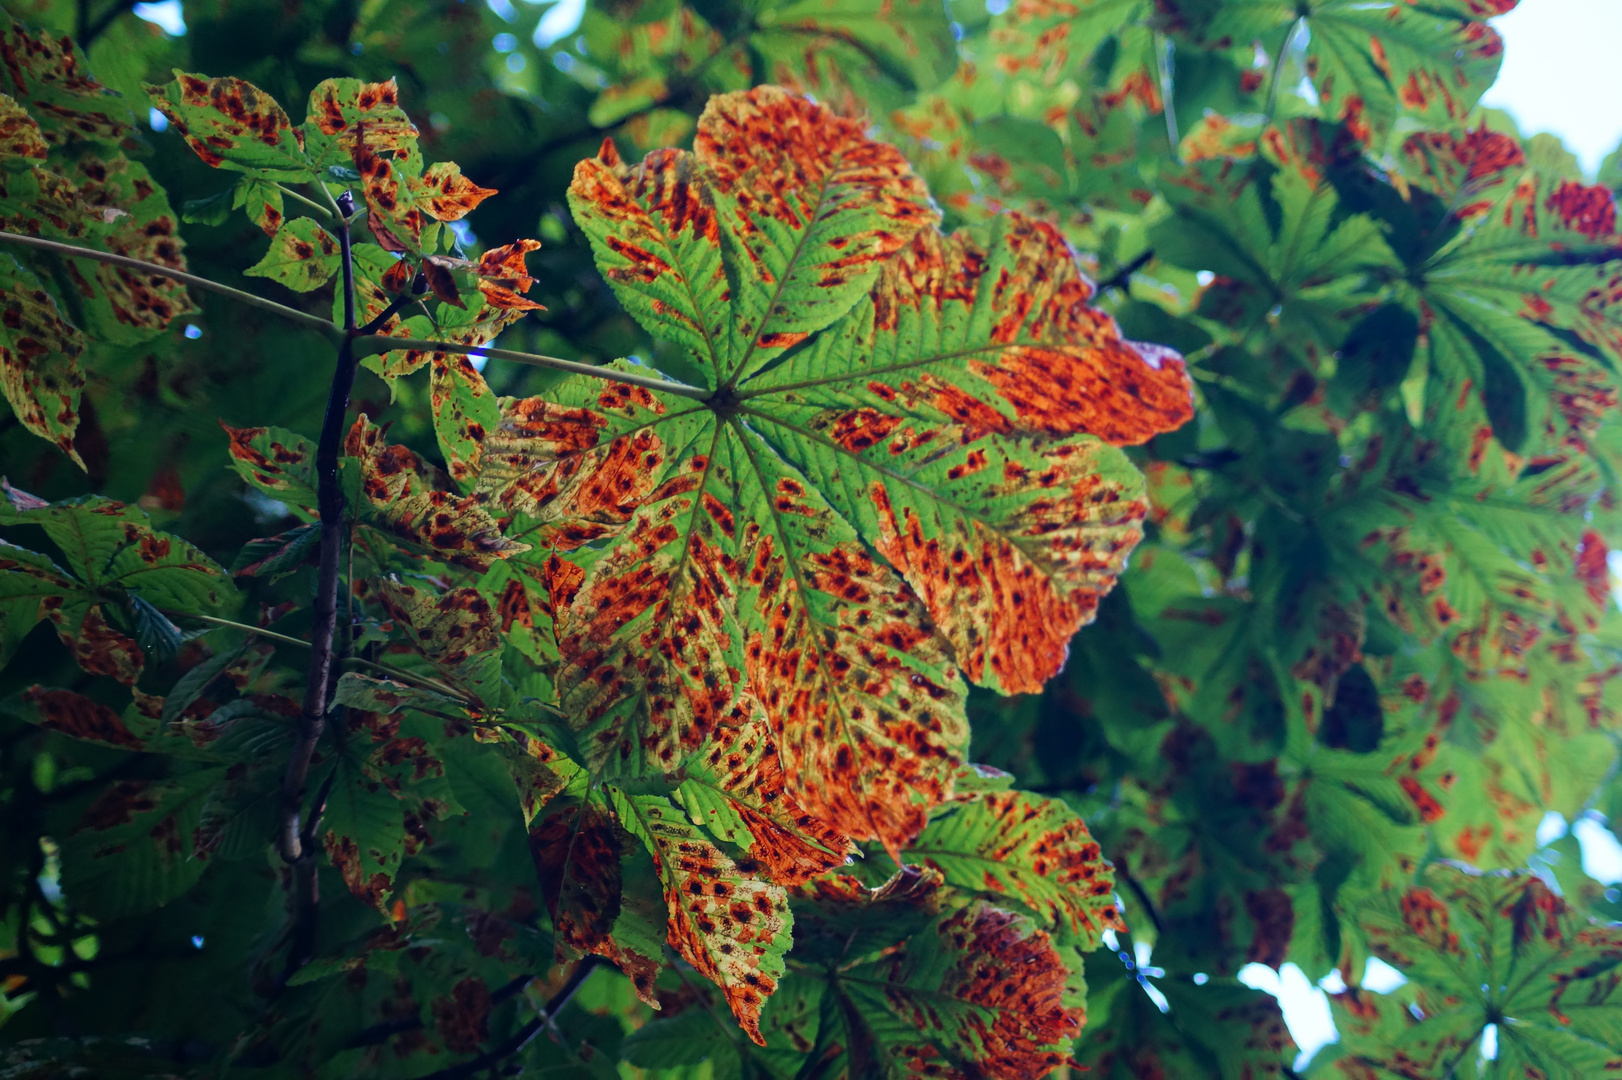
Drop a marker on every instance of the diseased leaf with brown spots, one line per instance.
(261, 200)
(44, 74)
(920, 983)
(302, 256)
(960, 404)
(233, 124)
(725, 566)
(133, 848)
(401, 501)
(344, 112)
(389, 787)
(1369, 62)
(706, 552)
(1028, 851)
(583, 858)
(78, 717)
(39, 362)
(279, 462)
(443, 192)
(736, 790)
(19, 134)
(456, 632)
(1481, 949)
(799, 204)
(110, 550)
(726, 919)
(465, 410)
(134, 219)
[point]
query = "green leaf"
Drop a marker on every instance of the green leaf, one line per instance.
(1367, 61)
(303, 256)
(133, 848)
(1483, 949)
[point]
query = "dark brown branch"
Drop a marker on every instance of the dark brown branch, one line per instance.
(1122, 277)
(88, 34)
(294, 843)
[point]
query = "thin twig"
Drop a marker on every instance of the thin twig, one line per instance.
(1123, 277)
(244, 627)
(1163, 65)
(381, 343)
(390, 670)
(89, 34)
(305, 199)
(362, 344)
(303, 318)
(407, 677)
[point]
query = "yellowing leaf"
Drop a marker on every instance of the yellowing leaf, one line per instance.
(39, 364)
(19, 134)
(45, 75)
(950, 404)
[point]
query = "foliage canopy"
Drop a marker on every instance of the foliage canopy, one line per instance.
(973, 523)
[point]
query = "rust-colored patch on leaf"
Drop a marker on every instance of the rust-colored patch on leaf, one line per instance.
(740, 766)
(1015, 981)
(1060, 365)
(402, 500)
(462, 1018)
(39, 365)
(1035, 852)
(78, 717)
(863, 704)
(577, 853)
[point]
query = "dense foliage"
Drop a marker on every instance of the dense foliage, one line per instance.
(601, 700)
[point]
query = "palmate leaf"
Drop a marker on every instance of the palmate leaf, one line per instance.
(111, 551)
(955, 413)
(1368, 62)
(915, 979)
(1217, 1028)
(1482, 949)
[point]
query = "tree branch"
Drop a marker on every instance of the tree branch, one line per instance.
(360, 343)
(88, 34)
(377, 344)
(1123, 277)
(293, 842)
(314, 322)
